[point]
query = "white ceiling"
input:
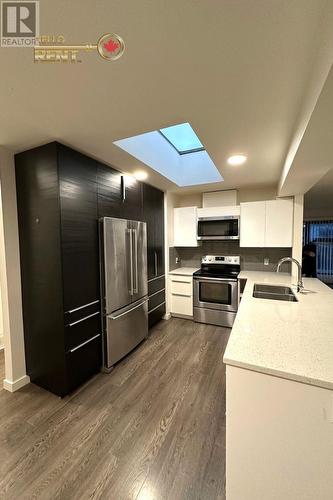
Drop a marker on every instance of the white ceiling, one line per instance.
(236, 70)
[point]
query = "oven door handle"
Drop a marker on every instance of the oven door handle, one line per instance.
(203, 278)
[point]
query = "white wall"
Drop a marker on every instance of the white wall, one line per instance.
(298, 231)
(243, 195)
(10, 277)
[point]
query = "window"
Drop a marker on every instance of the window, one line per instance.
(183, 138)
(318, 240)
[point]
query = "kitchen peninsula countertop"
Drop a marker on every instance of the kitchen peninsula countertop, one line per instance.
(292, 340)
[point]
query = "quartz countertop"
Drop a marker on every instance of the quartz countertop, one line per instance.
(292, 340)
(184, 271)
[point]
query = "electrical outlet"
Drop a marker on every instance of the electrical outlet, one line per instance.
(266, 261)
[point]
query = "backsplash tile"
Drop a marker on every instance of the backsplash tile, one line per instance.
(252, 259)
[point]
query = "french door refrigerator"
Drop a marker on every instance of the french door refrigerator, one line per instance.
(124, 286)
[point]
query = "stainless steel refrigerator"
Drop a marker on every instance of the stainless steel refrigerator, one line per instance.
(124, 286)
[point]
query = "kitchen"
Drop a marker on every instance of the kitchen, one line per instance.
(165, 255)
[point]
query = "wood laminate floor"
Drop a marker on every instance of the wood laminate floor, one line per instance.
(153, 429)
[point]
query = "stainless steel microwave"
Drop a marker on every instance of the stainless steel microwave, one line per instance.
(218, 228)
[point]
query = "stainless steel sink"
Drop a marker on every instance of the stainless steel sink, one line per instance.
(273, 292)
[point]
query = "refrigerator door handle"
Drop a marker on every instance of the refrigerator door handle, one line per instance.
(135, 290)
(117, 316)
(131, 291)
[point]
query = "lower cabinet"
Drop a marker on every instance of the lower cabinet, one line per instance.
(156, 302)
(83, 361)
(181, 295)
(279, 438)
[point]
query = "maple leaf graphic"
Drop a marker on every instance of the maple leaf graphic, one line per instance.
(111, 46)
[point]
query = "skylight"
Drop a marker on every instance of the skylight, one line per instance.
(183, 138)
(183, 161)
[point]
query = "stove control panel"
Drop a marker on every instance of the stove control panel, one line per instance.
(221, 259)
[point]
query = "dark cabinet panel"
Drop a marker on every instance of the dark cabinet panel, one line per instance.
(132, 193)
(83, 362)
(79, 331)
(156, 315)
(148, 215)
(79, 227)
(153, 214)
(159, 232)
(109, 192)
(118, 195)
(41, 272)
(156, 300)
(155, 285)
(59, 251)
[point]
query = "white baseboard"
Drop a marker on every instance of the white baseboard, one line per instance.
(16, 384)
(181, 316)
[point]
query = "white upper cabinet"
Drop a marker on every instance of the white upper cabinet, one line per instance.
(279, 223)
(252, 224)
(185, 227)
(267, 223)
(219, 211)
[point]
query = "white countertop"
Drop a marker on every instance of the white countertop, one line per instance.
(292, 340)
(184, 271)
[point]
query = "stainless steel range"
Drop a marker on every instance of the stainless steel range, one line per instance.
(215, 290)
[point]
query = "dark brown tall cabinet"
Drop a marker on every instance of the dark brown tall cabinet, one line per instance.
(58, 229)
(61, 194)
(153, 214)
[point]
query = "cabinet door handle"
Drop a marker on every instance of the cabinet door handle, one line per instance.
(83, 307)
(155, 254)
(84, 319)
(85, 343)
(123, 188)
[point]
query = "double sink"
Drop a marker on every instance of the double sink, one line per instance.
(274, 292)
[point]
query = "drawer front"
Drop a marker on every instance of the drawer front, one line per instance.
(82, 329)
(156, 284)
(156, 315)
(156, 299)
(182, 287)
(181, 305)
(181, 278)
(83, 362)
(81, 312)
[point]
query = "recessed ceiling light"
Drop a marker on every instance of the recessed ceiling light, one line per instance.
(141, 175)
(237, 159)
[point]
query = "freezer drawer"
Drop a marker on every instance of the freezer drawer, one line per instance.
(125, 329)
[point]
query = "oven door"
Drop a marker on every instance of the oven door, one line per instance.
(218, 228)
(215, 293)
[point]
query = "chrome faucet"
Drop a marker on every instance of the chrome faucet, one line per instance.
(300, 285)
